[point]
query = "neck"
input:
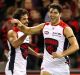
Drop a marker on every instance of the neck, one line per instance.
(54, 23)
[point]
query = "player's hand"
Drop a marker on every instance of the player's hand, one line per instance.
(15, 22)
(57, 55)
(39, 55)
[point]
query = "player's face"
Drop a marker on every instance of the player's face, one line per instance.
(54, 14)
(24, 19)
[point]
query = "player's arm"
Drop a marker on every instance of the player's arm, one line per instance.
(31, 30)
(27, 30)
(73, 44)
(12, 37)
(72, 40)
(32, 52)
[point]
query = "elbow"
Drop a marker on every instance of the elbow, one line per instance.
(76, 47)
(15, 45)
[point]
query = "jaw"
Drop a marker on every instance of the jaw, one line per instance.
(55, 21)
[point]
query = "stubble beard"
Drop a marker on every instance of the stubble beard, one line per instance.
(54, 20)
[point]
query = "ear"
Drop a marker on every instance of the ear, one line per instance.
(60, 14)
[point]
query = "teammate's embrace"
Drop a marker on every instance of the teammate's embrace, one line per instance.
(55, 49)
(18, 46)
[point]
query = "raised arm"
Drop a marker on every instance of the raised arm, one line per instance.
(15, 42)
(31, 30)
(28, 30)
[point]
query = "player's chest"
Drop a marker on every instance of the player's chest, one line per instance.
(52, 32)
(26, 40)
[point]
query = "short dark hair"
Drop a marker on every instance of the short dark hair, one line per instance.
(20, 12)
(56, 6)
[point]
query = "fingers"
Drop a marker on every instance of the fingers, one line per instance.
(40, 55)
(13, 22)
(57, 55)
(54, 55)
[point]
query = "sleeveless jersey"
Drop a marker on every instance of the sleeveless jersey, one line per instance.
(54, 41)
(16, 59)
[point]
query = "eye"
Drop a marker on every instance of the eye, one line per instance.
(56, 12)
(24, 18)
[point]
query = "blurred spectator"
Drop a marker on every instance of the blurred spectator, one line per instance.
(2, 4)
(56, 1)
(78, 6)
(9, 3)
(28, 5)
(37, 3)
(69, 18)
(78, 62)
(2, 9)
(71, 3)
(6, 26)
(44, 8)
(37, 39)
(78, 18)
(1, 45)
(18, 3)
(74, 24)
(35, 20)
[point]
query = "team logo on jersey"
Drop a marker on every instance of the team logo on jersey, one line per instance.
(46, 32)
(51, 45)
(53, 28)
(56, 34)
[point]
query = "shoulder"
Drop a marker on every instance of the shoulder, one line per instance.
(11, 32)
(63, 24)
(68, 31)
(42, 24)
(47, 23)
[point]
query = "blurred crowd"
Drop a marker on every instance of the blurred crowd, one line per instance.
(38, 13)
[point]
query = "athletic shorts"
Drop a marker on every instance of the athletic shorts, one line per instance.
(63, 69)
(15, 72)
(8, 72)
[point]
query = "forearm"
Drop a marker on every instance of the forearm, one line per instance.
(19, 41)
(30, 30)
(32, 52)
(24, 29)
(70, 50)
(36, 29)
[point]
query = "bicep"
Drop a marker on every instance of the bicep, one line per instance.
(68, 32)
(12, 36)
